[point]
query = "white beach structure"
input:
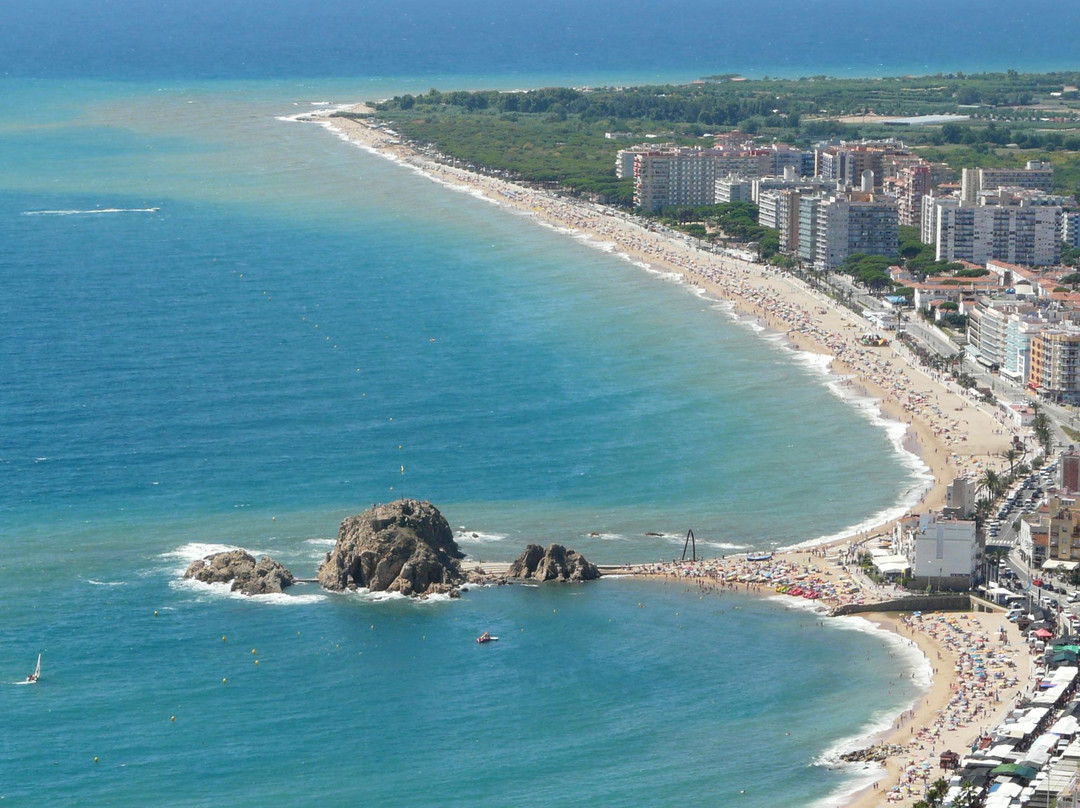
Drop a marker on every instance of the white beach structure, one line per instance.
(942, 552)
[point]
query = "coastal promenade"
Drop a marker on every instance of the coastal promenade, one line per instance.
(949, 432)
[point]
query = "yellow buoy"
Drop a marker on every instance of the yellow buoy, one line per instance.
(224, 638)
(224, 681)
(253, 650)
(172, 718)
(256, 662)
(155, 612)
(95, 758)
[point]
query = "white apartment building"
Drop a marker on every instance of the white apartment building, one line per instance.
(853, 224)
(988, 323)
(929, 214)
(1070, 227)
(1019, 235)
(943, 552)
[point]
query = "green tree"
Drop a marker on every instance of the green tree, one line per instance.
(1041, 427)
(992, 483)
(1011, 455)
(935, 795)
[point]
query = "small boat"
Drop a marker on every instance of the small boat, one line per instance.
(33, 677)
(759, 557)
(485, 637)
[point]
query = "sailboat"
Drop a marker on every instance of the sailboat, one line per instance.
(33, 677)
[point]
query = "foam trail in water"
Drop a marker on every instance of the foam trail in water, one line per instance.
(224, 590)
(93, 212)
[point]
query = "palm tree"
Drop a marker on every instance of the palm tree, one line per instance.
(983, 509)
(1041, 427)
(991, 482)
(1012, 455)
(935, 795)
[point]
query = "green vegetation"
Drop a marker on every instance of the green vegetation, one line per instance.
(557, 135)
(919, 258)
(872, 271)
(736, 221)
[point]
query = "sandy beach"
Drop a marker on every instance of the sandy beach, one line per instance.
(959, 703)
(952, 434)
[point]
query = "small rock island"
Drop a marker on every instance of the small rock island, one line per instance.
(556, 563)
(263, 577)
(405, 546)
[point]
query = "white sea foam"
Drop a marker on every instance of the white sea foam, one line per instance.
(896, 431)
(93, 212)
(861, 775)
(802, 604)
(188, 553)
(92, 582)
(321, 542)
(477, 537)
(367, 596)
(224, 590)
(911, 660)
(680, 539)
(195, 550)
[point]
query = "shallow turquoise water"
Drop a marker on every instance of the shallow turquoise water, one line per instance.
(275, 329)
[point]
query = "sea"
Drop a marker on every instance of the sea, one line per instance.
(222, 328)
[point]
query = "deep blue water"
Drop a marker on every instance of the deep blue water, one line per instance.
(625, 40)
(272, 329)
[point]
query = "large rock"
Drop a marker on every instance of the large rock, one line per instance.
(262, 577)
(405, 546)
(556, 563)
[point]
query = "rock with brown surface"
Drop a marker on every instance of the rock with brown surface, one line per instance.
(405, 546)
(556, 563)
(263, 577)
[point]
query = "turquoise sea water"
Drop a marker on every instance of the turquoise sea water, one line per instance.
(223, 329)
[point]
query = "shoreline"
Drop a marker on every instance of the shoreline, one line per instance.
(934, 721)
(953, 434)
(948, 433)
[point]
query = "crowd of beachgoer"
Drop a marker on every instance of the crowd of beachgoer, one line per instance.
(984, 677)
(786, 574)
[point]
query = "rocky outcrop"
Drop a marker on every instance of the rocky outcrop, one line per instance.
(877, 753)
(556, 563)
(263, 577)
(405, 546)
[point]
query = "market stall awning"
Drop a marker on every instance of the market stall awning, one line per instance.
(1015, 770)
